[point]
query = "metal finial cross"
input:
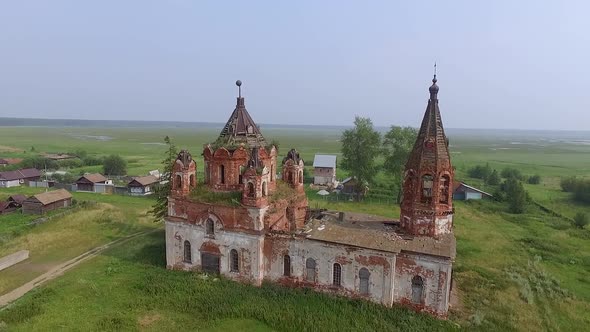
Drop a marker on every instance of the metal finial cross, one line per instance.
(435, 69)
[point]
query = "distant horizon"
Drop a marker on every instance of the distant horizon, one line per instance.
(190, 124)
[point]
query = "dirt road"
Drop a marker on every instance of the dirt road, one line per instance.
(61, 268)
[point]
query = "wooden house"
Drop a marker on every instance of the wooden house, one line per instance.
(463, 192)
(350, 186)
(88, 182)
(142, 185)
(16, 178)
(324, 169)
(48, 201)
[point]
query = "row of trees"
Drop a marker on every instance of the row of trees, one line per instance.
(580, 188)
(112, 165)
(362, 145)
(493, 177)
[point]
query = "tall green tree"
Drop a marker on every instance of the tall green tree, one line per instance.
(160, 207)
(397, 145)
(360, 146)
(516, 195)
(114, 165)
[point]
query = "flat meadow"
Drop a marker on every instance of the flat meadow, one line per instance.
(513, 272)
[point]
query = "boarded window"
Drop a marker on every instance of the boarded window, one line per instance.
(210, 226)
(251, 190)
(188, 257)
(234, 260)
(310, 270)
(427, 184)
(286, 266)
(364, 277)
(337, 275)
(417, 289)
(210, 263)
(444, 189)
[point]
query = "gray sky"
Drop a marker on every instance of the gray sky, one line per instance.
(501, 64)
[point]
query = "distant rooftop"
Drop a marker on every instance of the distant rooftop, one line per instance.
(324, 160)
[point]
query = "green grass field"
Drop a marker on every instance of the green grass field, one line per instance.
(512, 272)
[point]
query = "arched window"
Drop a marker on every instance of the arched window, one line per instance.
(427, 183)
(221, 174)
(417, 289)
(337, 275)
(300, 176)
(188, 257)
(310, 270)
(234, 261)
(210, 226)
(251, 191)
(290, 174)
(192, 181)
(264, 193)
(364, 276)
(178, 181)
(286, 266)
(444, 189)
(272, 172)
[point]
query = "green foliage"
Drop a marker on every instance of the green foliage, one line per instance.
(205, 195)
(360, 146)
(480, 172)
(494, 178)
(512, 173)
(581, 220)
(579, 187)
(92, 161)
(65, 178)
(160, 208)
(535, 179)
(397, 145)
(114, 165)
(69, 163)
(39, 162)
(515, 195)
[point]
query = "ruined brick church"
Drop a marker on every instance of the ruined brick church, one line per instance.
(259, 227)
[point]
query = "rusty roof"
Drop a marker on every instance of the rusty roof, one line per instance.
(240, 128)
(144, 180)
(94, 178)
(375, 232)
(52, 196)
(19, 198)
(20, 174)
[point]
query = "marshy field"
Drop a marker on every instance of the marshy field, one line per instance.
(513, 272)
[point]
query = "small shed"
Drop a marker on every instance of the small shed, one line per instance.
(16, 178)
(142, 185)
(324, 169)
(48, 201)
(463, 192)
(87, 182)
(350, 187)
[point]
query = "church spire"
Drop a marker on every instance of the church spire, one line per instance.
(426, 207)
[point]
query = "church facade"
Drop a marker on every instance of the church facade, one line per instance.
(246, 224)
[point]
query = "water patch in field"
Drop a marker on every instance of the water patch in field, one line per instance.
(91, 137)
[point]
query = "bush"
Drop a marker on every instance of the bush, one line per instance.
(92, 161)
(579, 187)
(114, 165)
(512, 173)
(494, 178)
(516, 196)
(581, 220)
(535, 179)
(480, 172)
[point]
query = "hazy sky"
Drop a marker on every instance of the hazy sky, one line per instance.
(501, 64)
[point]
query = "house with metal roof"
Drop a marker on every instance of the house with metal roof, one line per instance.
(142, 185)
(16, 178)
(464, 192)
(324, 169)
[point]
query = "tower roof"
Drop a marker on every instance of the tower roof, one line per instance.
(430, 151)
(240, 128)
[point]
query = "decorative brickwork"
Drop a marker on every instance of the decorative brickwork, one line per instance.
(184, 174)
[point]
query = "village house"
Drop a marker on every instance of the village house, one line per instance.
(269, 232)
(464, 192)
(16, 178)
(350, 186)
(47, 201)
(142, 185)
(9, 161)
(324, 169)
(91, 182)
(13, 203)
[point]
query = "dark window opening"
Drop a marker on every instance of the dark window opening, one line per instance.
(417, 289)
(286, 266)
(290, 177)
(192, 181)
(210, 227)
(222, 174)
(188, 258)
(337, 275)
(300, 176)
(251, 190)
(210, 263)
(234, 261)
(310, 270)
(444, 189)
(178, 181)
(264, 193)
(364, 276)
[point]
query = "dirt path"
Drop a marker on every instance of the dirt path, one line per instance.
(58, 270)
